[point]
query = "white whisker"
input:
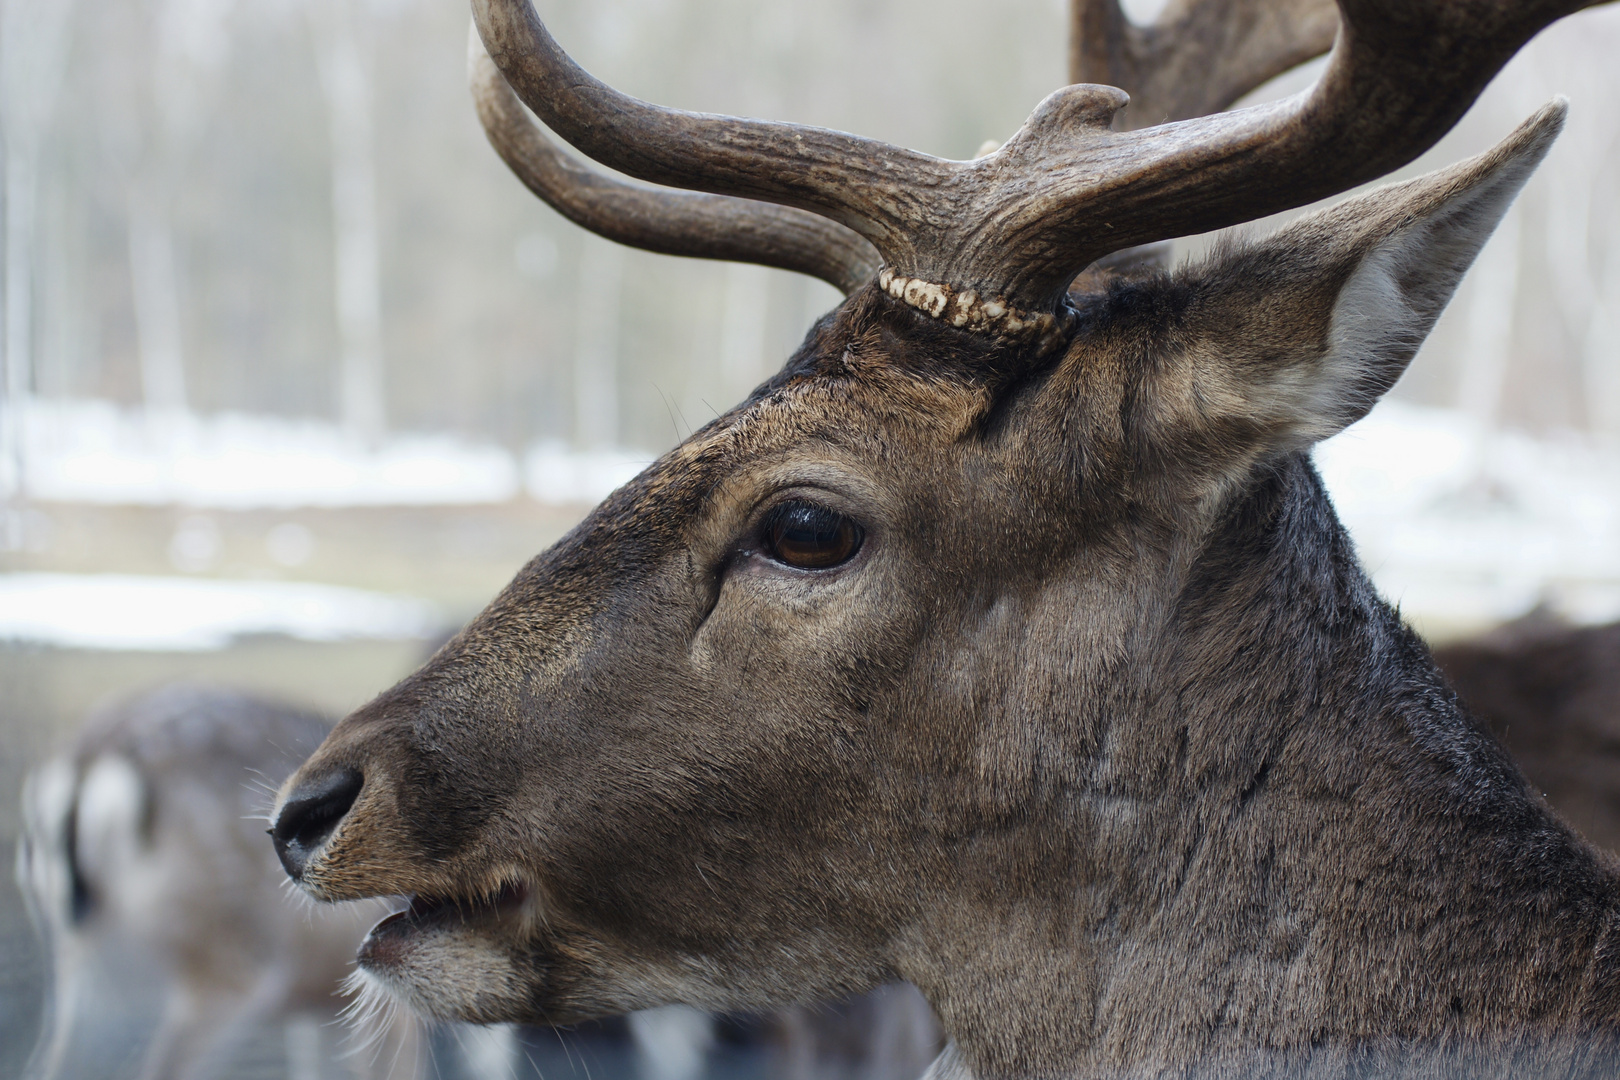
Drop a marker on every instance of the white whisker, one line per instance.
(370, 1014)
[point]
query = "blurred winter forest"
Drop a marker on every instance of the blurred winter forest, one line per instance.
(287, 207)
(257, 252)
(296, 374)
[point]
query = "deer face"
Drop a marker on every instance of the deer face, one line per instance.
(778, 630)
(734, 737)
(834, 671)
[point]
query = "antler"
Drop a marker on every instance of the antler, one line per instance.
(668, 222)
(993, 243)
(1199, 56)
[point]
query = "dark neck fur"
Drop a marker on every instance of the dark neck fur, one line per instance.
(1295, 848)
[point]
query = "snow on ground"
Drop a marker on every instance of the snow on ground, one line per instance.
(1470, 527)
(555, 474)
(97, 452)
(175, 614)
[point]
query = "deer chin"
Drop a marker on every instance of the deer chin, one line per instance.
(457, 959)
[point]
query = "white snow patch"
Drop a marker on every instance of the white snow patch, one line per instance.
(95, 452)
(91, 451)
(1455, 522)
(124, 611)
(556, 474)
(1468, 525)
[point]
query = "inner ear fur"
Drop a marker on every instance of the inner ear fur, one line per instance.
(1290, 339)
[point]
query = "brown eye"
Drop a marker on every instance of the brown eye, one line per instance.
(810, 537)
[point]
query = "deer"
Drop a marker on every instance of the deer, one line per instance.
(170, 936)
(1005, 642)
(1551, 692)
(143, 865)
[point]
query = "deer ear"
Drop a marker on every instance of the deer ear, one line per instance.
(1301, 333)
(111, 806)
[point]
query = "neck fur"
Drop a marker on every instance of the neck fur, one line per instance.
(1291, 843)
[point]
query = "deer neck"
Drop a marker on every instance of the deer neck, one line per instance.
(1286, 839)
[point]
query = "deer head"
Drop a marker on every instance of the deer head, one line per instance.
(1005, 641)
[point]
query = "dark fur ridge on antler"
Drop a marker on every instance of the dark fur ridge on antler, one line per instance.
(1013, 228)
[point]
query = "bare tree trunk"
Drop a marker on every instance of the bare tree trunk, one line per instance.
(33, 47)
(1601, 353)
(21, 189)
(1598, 332)
(21, 182)
(742, 328)
(155, 282)
(346, 80)
(188, 48)
(1490, 332)
(596, 345)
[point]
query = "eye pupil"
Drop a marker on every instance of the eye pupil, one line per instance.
(810, 537)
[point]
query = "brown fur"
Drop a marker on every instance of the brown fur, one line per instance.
(1103, 739)
(1551, 693)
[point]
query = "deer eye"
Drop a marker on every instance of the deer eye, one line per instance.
(810, 537)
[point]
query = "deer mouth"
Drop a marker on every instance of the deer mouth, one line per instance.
(496, 914)
(421, 913)
(429, 953)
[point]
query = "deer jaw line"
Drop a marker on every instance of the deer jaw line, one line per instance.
(454, 958)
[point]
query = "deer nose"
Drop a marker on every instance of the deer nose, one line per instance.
(310, 814)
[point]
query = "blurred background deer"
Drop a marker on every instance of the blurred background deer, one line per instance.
(172, 942)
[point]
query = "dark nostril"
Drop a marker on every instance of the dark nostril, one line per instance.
(310, 814)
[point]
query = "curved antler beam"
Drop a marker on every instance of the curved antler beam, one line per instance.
(1017, 225)
(1199, 56)
(866, 185)
(667, 222)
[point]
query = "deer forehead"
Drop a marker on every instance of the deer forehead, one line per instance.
(853, 428)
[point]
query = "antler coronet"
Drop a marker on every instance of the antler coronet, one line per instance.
(965, 309)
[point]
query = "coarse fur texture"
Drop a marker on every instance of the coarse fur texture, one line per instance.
(1102, 738)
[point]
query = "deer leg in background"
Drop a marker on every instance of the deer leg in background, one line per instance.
(198, 1035)
(169, 932)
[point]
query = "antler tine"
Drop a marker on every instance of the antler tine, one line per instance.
(668, 222)
(992, 244)
(1199, 56)
(1401, 75)
(863, 184)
